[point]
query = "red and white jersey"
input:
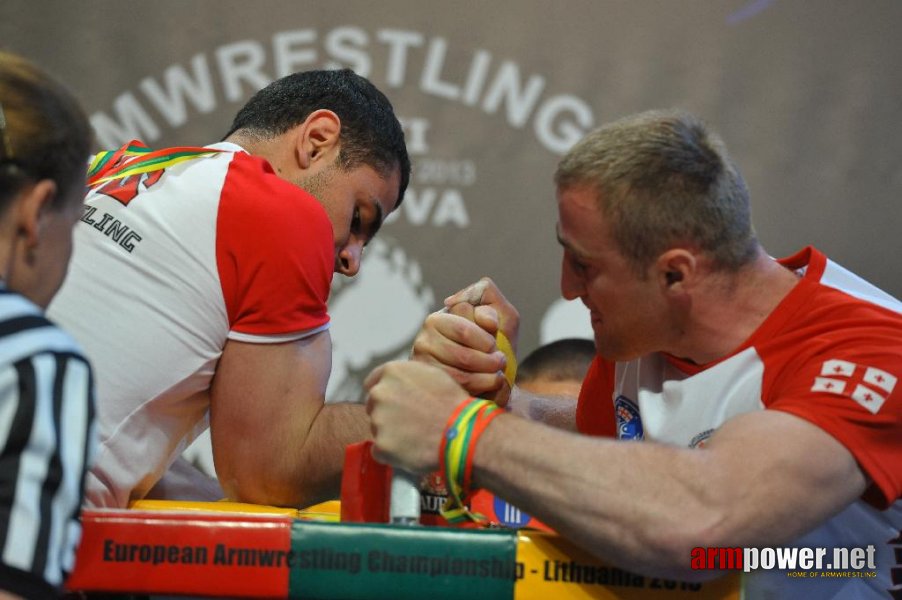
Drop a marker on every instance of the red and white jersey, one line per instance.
(830, 353)
(167, 266)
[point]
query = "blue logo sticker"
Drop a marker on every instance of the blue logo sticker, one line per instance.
(629, 424)
(508, 514)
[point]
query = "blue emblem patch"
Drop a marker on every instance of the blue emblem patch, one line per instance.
(629, 424)
(508, 514)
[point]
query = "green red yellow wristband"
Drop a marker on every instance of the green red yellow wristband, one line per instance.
(463, 429)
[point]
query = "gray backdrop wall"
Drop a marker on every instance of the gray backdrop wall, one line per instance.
(808, 96)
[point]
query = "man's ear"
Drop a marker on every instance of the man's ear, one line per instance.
(30, 206)
(318, 138)
(675, 270)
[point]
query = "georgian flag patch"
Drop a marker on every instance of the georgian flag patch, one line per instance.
(868, 386)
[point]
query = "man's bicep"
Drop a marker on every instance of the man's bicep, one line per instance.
(780, 475)
(263, 401)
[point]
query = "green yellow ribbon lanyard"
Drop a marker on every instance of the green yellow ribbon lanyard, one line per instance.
(135, 158)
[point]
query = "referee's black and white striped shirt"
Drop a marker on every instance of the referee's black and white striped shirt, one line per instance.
(47, 437)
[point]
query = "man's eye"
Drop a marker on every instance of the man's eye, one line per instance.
(355, 221)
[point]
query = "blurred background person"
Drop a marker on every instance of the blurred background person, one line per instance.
(556, 368)
(47, 432)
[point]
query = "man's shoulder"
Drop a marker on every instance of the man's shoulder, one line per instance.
(859, 291)
(837, 322)
(252, 180)
(832, 279)
(851, 311)
(256, 201)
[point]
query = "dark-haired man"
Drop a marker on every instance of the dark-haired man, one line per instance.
(765, 393)
(199, 285)
(556, 368)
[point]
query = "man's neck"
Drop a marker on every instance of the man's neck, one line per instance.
(247, 142)
(273, 150)
(732, 307)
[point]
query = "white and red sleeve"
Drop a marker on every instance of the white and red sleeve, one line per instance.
(274, 253)
(848, 385)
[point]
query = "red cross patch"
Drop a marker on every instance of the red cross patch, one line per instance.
(868, 386)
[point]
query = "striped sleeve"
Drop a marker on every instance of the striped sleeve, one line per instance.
(47, 437)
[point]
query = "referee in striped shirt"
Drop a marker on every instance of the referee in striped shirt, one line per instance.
(47, 433)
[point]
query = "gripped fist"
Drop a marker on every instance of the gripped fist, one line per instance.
(463, 349)
(461, 339)
(409, 404)
(492, 310)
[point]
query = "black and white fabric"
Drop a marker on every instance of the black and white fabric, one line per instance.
(47, 440)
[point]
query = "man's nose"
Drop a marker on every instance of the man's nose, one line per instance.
(572, 285)
(348, 263)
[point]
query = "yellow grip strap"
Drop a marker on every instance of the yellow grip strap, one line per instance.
(510, 368)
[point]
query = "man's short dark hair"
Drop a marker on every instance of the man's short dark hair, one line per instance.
(663, 178)
(370, 132)
(562, 360)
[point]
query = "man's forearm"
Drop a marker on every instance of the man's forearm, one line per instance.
(298, 474)
(322, 454)
(645, 505)
(602, 505)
